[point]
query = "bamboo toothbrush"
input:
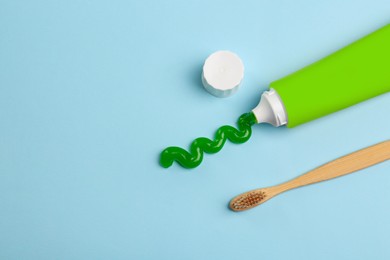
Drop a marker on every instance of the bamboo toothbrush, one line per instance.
(347, 164)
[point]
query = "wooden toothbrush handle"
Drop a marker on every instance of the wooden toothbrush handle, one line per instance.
(344, 165)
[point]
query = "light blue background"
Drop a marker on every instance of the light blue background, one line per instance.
(92, 91)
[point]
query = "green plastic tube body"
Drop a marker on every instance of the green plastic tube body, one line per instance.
(351, 75)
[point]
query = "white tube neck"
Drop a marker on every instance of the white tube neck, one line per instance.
(270, 109)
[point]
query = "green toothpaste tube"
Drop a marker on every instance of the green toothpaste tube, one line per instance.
(355, 73)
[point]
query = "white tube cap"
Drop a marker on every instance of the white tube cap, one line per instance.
(222, 74)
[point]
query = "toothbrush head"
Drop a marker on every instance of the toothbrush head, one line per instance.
(248, 200)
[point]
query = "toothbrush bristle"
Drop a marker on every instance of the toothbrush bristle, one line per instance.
(248, 200)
